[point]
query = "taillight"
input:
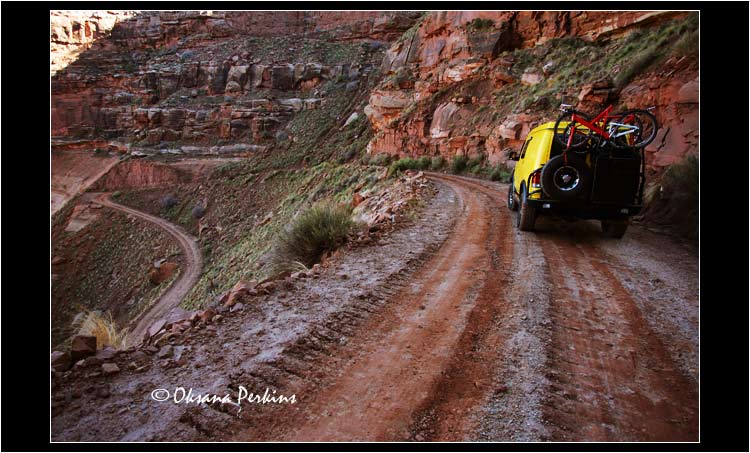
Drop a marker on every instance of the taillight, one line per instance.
(536, 179)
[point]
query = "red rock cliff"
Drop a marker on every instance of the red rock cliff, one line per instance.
(205, 80)
(476, 82)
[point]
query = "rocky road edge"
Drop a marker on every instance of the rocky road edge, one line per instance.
(253, 333)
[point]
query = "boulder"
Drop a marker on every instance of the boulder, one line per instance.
(164, 352)
(501, 76)
(110, 368)
(82, 346)
(159, 275)
(237, 74)
(357, 199)
(531, 78)
(688, 93)
(509, 130)
(240, 290)
(233, 87)
(156, 327)
(107, 353)
(443, 119)
(207, 315)
(282, 77)
(177, 314)
(60, 361)
(295, 104)
(390, 100)
(353, 117)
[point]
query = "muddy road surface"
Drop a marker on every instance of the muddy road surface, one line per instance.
(456, 327)
(504, 335)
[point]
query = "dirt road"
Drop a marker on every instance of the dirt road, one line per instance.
(508, 336)
(187, 279)
(454, 327)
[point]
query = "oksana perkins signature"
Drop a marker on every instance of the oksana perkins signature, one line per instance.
(181, 395)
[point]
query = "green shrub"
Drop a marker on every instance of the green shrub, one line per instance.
(480, 24)
(673, 200)
(403, 164)
(475, 169)
(424, 162)
(687, 44)
(322, 228)
(477, 160)
(437, 162)
(458, 165)
(500, 174)
(381, 159)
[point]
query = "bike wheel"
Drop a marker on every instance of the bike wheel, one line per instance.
(645, 125)
(565, 126)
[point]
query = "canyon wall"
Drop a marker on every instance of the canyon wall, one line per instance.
(450, 82)
(195, 82)
(470, 82)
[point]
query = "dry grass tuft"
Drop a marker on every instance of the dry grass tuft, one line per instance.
(102, 327)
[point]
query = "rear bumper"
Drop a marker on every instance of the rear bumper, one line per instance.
(583, 210)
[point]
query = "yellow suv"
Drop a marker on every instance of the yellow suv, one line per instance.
(591, 182)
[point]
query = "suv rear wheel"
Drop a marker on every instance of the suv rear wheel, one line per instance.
(526, 214)
(614, 228)
(512, 204)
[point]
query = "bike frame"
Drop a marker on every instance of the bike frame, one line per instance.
(601, 118)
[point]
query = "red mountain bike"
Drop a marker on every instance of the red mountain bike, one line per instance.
(630, 129)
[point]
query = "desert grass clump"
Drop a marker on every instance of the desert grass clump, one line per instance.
(499, 174)
(322, 228)
(458, 165)
(168, 201)
(101, 326)
(380, 159)
(436, 163)
(423, 163)
(673, 200)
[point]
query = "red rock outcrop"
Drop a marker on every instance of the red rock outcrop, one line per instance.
(450, 68)
(208, 79)
(72, 32)
(136, 174)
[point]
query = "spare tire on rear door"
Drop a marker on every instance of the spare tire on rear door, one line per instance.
(565, 181)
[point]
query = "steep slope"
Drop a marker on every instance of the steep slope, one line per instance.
(292, 122)
(475, 83)
(231, 125)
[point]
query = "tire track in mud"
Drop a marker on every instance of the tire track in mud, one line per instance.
(393, 366)
(467, 378)
(499, 336)
(185, 282)
(611, 377)
(486, 334)
(492, 391)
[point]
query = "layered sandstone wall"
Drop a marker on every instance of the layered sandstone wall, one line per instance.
(446, 79)
(72, 32)
(211, 81)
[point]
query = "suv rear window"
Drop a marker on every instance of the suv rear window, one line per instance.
(525, 145)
